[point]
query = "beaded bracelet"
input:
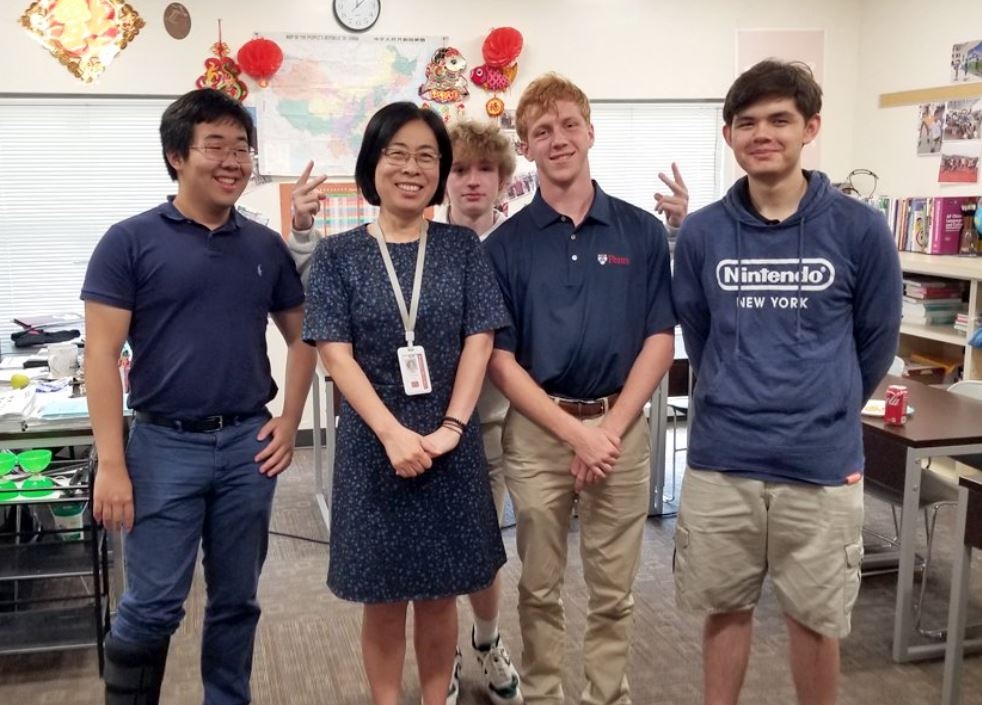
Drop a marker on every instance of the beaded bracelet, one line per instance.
(454, 422)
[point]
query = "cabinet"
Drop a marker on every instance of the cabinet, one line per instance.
(54, 583)
(944, 340)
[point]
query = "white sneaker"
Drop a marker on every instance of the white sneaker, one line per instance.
(453, 692)
(501, 679)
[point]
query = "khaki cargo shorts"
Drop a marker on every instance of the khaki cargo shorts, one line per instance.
(732, 531)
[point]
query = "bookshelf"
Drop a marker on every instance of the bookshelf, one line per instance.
(944, 340)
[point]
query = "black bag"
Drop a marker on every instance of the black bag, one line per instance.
(35, 336)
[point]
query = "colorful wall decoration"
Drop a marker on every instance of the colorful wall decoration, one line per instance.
(83, 35)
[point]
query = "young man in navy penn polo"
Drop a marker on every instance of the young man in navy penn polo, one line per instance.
(586, 279)
(190, 284)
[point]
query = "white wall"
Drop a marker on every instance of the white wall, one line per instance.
(906, 45)
(628, 49)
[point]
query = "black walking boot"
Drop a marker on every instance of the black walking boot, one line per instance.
(133, 674)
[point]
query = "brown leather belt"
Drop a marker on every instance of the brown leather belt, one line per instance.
(586, 408)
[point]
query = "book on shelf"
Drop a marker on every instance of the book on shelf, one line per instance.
(929, 226)
(925, 373)
(962, 320)
(950, 302)
(930, 310)
(930, 318)
(951, 367)
(916, 292)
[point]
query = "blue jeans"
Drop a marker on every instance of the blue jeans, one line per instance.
(191, 488)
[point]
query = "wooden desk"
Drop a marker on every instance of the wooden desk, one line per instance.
(943, 424)
(969, 527)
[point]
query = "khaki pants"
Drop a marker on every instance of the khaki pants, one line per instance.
(612, 515)
(491, 433)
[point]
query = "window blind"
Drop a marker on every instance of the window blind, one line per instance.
(69, 168)
(636, 140)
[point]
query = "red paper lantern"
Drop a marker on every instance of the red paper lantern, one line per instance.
(502, 46)
(260, 58)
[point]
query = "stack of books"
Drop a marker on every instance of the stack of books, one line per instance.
(932, 302)
(961, 321)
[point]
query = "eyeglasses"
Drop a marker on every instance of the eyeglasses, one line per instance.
(214, 153)
(400, 157)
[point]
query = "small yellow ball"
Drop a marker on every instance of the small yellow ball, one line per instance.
(19, 381)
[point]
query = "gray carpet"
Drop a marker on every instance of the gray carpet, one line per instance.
(307, 651)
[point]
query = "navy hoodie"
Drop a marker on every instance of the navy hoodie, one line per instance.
(789, 327)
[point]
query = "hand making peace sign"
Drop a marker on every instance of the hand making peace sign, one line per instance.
(675, 206)
(306, 200)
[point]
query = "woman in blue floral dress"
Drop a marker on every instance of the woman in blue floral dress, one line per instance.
(412, 516)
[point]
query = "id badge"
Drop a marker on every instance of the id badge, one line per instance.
(415, 372)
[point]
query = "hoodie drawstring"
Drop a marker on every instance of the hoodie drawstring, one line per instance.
(801, 249)
(736, 337)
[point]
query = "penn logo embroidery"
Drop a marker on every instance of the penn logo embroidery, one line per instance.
(607, 258)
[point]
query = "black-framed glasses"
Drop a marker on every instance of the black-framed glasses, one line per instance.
(401, 157)
(215, 153)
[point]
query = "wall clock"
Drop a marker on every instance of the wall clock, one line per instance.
(357, 15)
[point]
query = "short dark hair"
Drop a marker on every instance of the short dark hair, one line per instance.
(193, 108)
(774, 79)
(379, 133)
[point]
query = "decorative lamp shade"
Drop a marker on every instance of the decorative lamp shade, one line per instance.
(260, 58)
(502, 46)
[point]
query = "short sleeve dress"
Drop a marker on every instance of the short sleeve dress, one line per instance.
(435, 535)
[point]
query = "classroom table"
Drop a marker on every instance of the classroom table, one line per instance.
(969, 533)
(943, 424)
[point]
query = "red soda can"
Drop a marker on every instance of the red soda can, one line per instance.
(895, 413)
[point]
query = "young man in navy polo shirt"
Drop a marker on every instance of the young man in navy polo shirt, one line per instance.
(586, 280)
(190, 285)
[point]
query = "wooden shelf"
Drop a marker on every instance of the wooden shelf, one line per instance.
(968, 269)
(950, 266)
(944, 334)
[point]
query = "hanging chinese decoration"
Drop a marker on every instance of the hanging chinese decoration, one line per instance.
(221, 71)
(260, 58)
(83, 35)
(500, 50)
(446, 81)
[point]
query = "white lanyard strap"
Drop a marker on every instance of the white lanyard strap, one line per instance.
(408, 317)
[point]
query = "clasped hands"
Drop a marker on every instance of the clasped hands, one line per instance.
(412, 454)
(597, 449)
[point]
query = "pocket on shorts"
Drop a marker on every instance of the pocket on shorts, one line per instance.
(851, 576)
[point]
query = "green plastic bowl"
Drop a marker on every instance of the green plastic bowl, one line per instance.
(34, 460)
(37, 486)
(7, 462)
(8, 491)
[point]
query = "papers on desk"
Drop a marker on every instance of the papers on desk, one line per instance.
(17, 403)
(19, 362)
(59, 407)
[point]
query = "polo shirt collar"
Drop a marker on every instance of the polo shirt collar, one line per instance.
(544, 215)
(169, 211)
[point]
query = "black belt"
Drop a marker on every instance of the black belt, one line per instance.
(209, 424)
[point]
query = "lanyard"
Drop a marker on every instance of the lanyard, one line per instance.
(408, 317)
